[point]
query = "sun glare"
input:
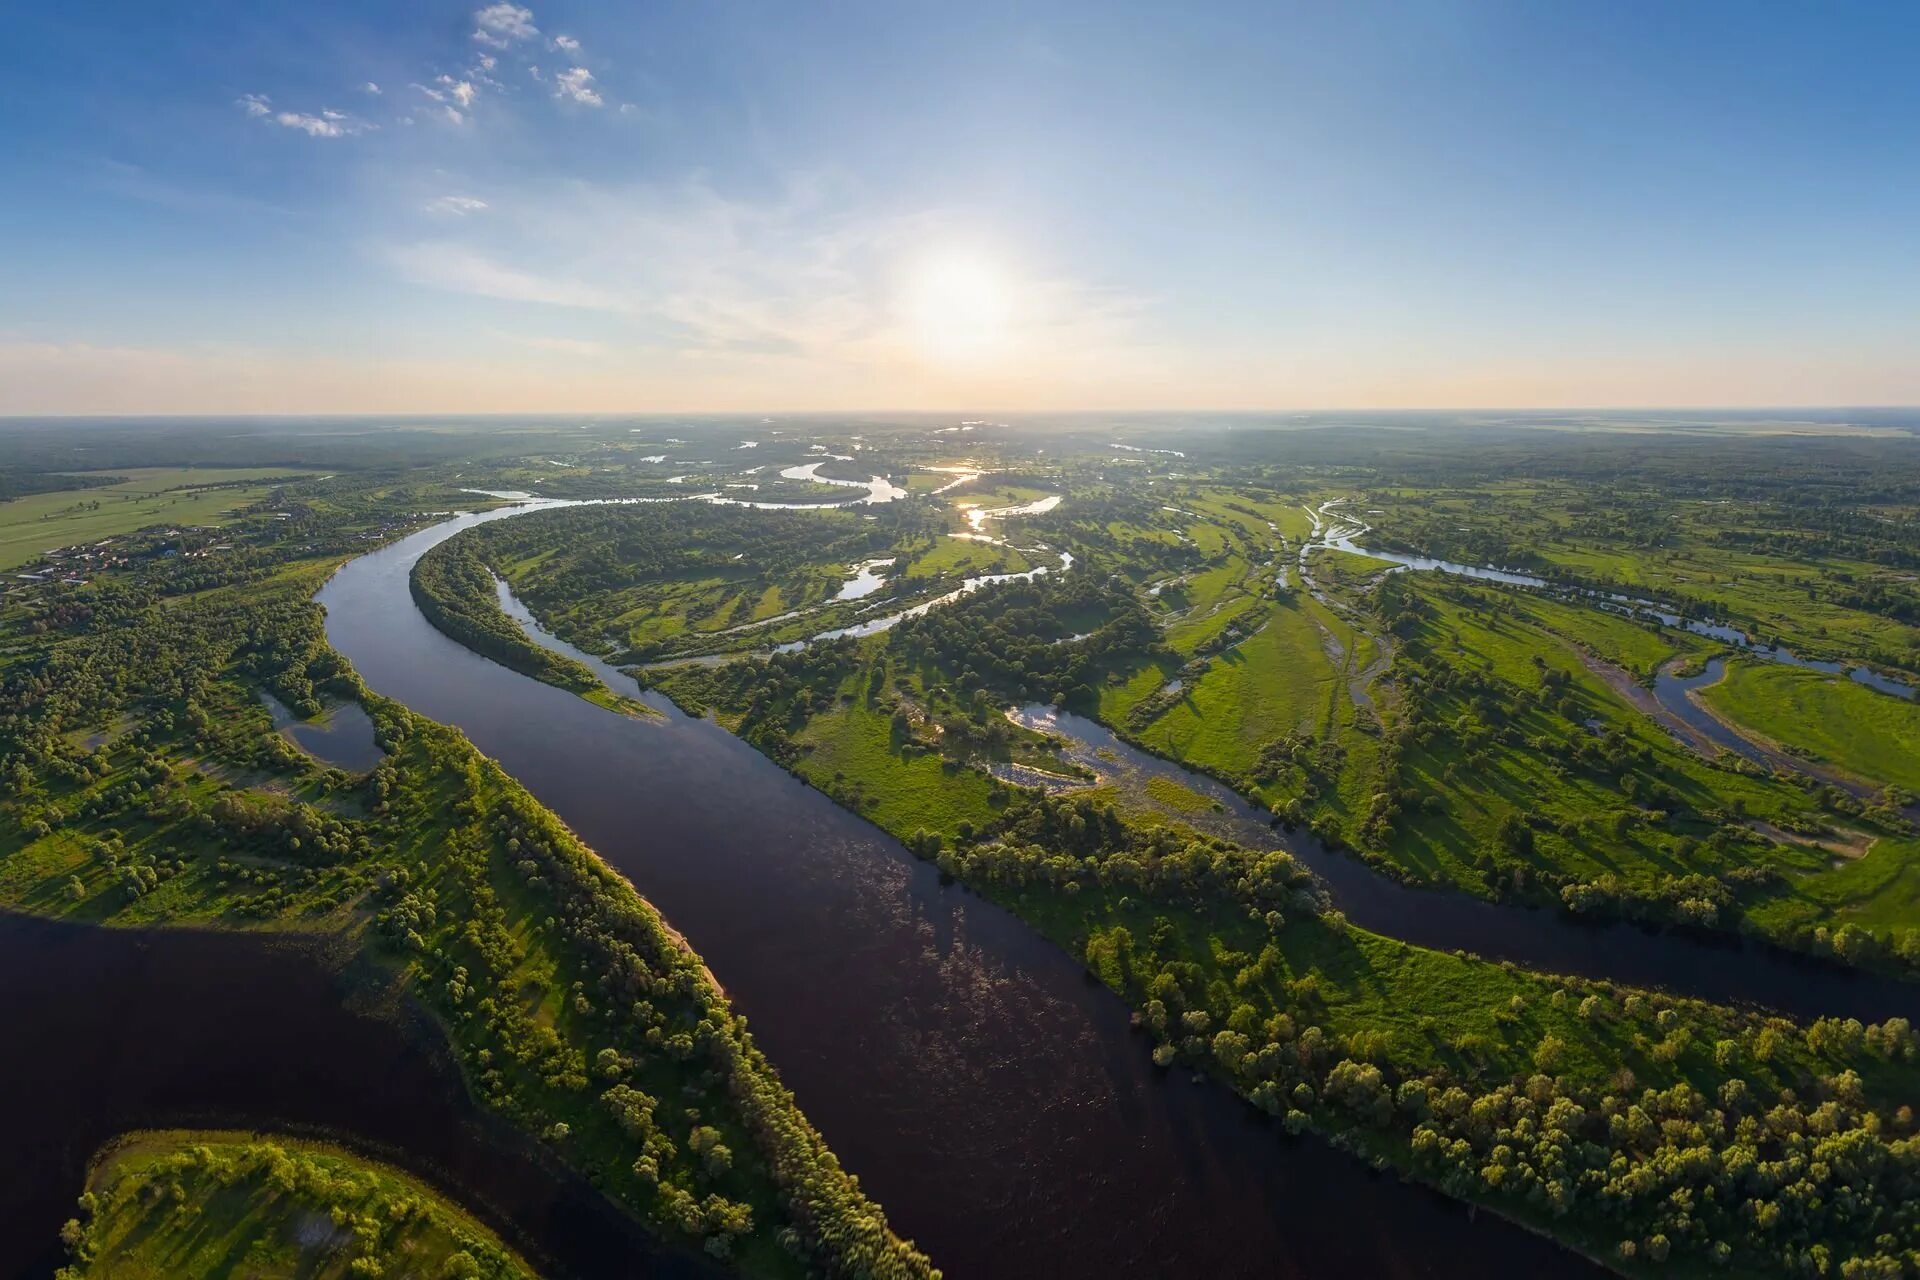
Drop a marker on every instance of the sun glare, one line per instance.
(958, 309)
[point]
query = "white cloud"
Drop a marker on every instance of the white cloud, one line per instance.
(370, 89)
(459, 206)
(461, 91)
(576, 83)
(800, 296)
(503, 24)
(312, 126)
(566, 44)
(460, 269)
(327, 124)
(457, 94)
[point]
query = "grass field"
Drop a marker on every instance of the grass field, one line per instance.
(1481, 779)
(1638, 648)
(183, 1203)
(1550, 524)
(1825, 718)
(851, 754)
(1879, 892)
(41, 522)
(1275, 682)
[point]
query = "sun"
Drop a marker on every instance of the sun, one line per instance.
(958, 308)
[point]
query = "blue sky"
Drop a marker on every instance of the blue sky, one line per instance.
(712, 204)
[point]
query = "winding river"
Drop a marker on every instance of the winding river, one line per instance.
(987, 1092)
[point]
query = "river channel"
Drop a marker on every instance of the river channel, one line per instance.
(985, 1091)
(117, 1029)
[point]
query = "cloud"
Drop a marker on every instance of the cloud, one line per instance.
(503, 24)
(371, 89)
(451, 98)
(459, 206)
(461, 91)
(807, 284)
(462, 269)
(576, 83)
(328, 124)
(566, 44)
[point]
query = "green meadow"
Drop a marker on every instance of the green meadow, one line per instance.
(145, 496)
(1825, 718)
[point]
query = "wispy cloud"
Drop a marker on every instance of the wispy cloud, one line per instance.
(371, 89)
(576, 84)
(327, 124)
(810, 281)
(501, 25)
(462, 269)
(459, 206)
(566, 44)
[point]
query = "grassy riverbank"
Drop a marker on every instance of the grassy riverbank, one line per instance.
(147, 785)
(1553, 1100)
(191, 1203)
(1824, 718)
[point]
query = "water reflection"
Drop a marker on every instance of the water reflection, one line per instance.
(987, 1093)
(342, 736)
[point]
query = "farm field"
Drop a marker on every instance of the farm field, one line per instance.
(41, 522)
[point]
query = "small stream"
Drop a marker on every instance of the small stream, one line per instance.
(1669, 690)
(988, 1094)
(1696, 963)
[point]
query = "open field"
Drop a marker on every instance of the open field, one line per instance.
(42, 522)
(1824, 718)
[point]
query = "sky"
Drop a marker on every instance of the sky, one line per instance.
(729, 205)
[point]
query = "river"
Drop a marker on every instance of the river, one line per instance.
(984, 1089)
(118, 1029)
(1697, 963)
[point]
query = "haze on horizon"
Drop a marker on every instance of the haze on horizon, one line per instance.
(740, 206)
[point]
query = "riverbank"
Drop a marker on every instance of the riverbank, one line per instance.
(830, 935)
(200, 1202)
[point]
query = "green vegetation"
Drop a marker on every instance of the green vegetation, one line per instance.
(1467, 736)
(455, 591)
(145, 784)
(1823, 718)
(1622, 1121)
(169, 1204)
(102, 506)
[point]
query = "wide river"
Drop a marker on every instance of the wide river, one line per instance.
(983, 1088)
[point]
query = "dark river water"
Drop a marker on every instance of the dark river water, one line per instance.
(109, 1030)
(984, 1090)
